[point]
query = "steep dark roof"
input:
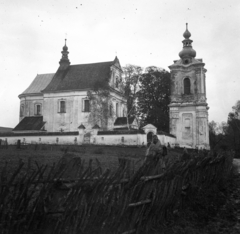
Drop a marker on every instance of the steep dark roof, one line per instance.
(42, 133)
(82, 76)
(30, 123)
(123, 120)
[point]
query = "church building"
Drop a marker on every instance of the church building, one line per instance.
(188, 108)
(74, 96)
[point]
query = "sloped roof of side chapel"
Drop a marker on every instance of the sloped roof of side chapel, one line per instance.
(73, 77)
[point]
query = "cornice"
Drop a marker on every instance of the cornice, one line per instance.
(185, 67)
(29, 94)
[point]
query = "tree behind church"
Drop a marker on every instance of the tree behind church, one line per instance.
(131, 76)
(154, 98)
(234, 128)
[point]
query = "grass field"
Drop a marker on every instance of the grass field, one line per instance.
(108, 156)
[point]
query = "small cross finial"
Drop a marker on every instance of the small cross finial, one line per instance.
(65, 38)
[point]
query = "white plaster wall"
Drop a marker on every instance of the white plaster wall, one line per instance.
(129, 139)
(42, 139)
(165, 139)
(135, 139)
(29, 105)
(74, 115)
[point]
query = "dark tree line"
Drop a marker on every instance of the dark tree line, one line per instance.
(148, 95)
(226, 136)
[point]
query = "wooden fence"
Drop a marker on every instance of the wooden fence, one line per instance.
(73, 198)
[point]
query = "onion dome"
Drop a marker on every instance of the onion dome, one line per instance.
(186, 34)
(187, 51)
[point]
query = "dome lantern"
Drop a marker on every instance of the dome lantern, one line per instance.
(187, 51)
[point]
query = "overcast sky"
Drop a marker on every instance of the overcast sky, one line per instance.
(140, 32)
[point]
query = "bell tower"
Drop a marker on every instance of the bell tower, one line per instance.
(188, 107)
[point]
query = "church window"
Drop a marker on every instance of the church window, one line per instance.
(86, 105)
(187, 86)
(38, 110)
(117, 110)
(62, 107)
(117, 82)
(110, 110)
(22, 110)
(187, 127)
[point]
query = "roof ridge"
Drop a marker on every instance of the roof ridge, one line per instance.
(91, 63)
(46, 73)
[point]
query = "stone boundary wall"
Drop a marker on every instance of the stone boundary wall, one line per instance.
(138, 139)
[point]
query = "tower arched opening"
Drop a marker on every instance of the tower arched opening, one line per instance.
(187, 86)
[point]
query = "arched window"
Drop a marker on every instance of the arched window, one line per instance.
(187, 86)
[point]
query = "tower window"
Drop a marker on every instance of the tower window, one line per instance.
(187, 86)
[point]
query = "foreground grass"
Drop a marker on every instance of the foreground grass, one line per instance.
(107, 156)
